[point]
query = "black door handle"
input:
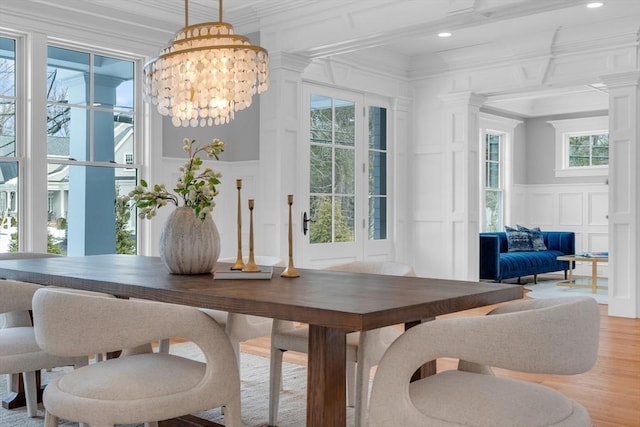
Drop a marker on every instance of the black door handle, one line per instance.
(305, 223)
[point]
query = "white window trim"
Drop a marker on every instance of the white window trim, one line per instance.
(506, 127)
(590, 125)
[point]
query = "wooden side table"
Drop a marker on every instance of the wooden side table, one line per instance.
(594, 260)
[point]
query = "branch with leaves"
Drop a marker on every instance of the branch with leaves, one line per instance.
(196, 189)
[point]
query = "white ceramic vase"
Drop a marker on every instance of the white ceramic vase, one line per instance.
(189, 245)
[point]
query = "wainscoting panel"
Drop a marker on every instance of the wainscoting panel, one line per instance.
(570, 209)
(581, 208)
(540, 208)
(598, 209)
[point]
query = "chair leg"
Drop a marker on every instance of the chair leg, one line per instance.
(232, 414)
(50, 420)
(275, 379)
(31, 393)
(236, 349)
(163, 346)
(362, 393)
(351, 383)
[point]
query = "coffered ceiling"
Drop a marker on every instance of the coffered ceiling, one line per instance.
(403, 30)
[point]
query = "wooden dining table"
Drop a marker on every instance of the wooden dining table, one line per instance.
(332, 303)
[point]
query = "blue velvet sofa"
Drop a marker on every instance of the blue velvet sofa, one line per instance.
(498, 264)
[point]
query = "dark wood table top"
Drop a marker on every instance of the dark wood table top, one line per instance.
(349, 301)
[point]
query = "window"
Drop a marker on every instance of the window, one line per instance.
(90, 128)
(377, 173)
(587, 150)
(496, 139)
(9, 160)
(582, 146)
(493, 187)
(332, 168)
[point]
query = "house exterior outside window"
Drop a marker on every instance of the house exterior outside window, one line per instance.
(90, 127)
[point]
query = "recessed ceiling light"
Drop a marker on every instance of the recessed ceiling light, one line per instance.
(595, 4)
(444, 34)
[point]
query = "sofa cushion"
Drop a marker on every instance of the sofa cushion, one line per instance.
(518, 241)
(517, 264)
(535, 234)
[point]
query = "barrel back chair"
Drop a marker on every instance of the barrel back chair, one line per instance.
(550, 336)
(140, 385)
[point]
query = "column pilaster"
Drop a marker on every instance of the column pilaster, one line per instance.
(280, 120)
(624, 193)
(461, 189)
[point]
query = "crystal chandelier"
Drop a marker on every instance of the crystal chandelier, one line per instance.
(206, 74)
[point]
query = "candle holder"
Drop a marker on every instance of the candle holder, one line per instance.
(251, 264)
(290, 271)
(239, 265)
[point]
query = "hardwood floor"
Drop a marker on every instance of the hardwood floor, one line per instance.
(610, 390)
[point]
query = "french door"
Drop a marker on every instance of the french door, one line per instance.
(344, 177)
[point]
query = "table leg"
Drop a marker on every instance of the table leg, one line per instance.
(326, 377)
(16, 397)
(570, 274)
(594, 276)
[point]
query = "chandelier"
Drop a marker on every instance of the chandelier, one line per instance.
(206, 74)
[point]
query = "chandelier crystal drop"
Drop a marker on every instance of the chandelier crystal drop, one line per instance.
(206, 74)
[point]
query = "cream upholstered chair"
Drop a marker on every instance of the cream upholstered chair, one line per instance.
(242, 327)
(554, 336)
(364, 350)
(19, 352)
(239, 327)
(23, 317)
(140, 385)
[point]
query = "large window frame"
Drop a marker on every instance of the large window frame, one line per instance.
(569, 128)
(11, 137)
(101, 122)
(504, 129)
(31, 200)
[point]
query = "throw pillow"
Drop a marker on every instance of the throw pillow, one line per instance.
(518, 241)
(536, 237)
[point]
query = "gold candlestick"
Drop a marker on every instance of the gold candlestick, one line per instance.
(239, 263)
(251, 265)
(290, 271)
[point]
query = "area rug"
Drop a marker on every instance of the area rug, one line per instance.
(255, 395)
(551, 289)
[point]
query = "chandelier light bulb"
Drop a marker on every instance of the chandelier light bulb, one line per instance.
(206, 74)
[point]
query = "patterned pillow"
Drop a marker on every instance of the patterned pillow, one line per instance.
(536, 237)
(518, 241)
